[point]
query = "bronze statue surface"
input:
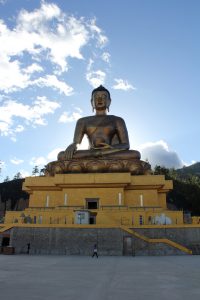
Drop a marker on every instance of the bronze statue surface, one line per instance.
(108, 144)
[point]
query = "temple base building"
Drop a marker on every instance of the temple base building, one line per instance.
(104, 196)
(97, 199)
(122, 213)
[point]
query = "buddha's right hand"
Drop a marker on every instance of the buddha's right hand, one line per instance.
(103, 146)
(70, 151)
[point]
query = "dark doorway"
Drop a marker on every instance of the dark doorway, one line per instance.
(5, 241)
(128, 246)
(92, 203)
(92, 219)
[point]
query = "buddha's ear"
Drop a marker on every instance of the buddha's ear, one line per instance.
(108, 103)
(92, 103)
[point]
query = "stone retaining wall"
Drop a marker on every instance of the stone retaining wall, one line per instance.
(80, 241)
(69, 241)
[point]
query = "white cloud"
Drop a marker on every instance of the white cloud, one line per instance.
(123, 85)
(186, 164)
(97, 32)
(106, 57)
(53, 154)
(95, 78)
(24, 173)
(50, 29)
(90, 64)
(52, 81)
(38, 161)
(33, 68)
(31, 114)
(44, 35)
(4, 128)
(67, 117)
(41, 161)
(158, 153)
(19, 128)
(34, 52)
(11, 75)
(16, 161)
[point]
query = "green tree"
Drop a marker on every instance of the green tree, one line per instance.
(159, 170)
(42, 171)
(17, 176)
(7, 179)
(35, 171)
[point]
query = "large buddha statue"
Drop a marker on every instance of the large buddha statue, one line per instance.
(108, 143)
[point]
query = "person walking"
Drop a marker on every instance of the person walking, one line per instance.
(28, 248)
(95, 252)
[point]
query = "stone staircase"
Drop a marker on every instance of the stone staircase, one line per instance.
(186, 250)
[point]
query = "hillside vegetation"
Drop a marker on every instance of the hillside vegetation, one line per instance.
(186, 192)
(11, 195)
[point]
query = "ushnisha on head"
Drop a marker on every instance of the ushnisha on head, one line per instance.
(100, 98)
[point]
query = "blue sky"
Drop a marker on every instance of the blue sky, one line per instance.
(53, 53)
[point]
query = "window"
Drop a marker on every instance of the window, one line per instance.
(92, 203)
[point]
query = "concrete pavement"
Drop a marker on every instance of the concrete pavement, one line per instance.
(80, 277)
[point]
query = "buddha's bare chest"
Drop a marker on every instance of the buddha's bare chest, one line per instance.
(107, 128)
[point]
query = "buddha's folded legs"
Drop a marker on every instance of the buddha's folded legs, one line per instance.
(104, 153)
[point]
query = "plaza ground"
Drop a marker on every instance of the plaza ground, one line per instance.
(82, 277)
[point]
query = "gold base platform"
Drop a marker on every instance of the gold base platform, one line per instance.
(100, 165)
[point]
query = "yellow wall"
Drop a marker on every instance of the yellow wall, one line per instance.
(119, 197)
(162, 200)
(132, 197)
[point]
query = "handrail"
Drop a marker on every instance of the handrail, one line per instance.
(160, 240)
(6, 227)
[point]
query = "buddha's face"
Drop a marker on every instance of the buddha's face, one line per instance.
(100, 100)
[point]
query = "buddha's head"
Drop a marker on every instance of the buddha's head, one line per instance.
(100, 99)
